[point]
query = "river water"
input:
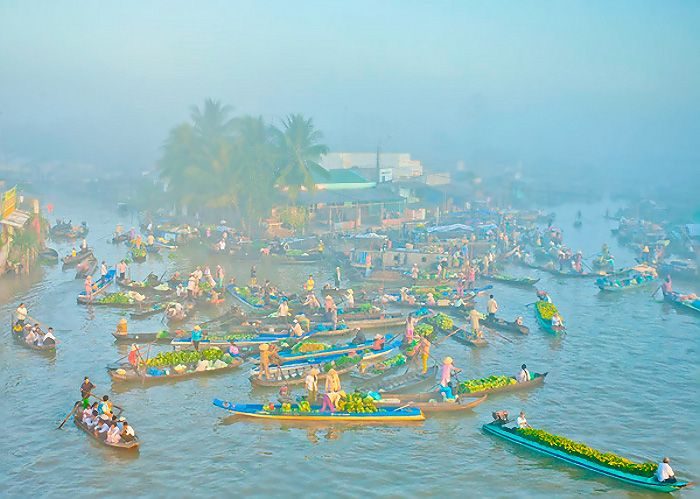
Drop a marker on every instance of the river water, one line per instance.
(625, 379)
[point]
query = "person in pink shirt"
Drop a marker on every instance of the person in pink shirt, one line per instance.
(446, 376)
(410, 327)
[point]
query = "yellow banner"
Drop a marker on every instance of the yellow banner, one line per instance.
(9, 202)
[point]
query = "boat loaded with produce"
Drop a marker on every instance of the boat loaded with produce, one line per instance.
(545, 312)
(499, 384)
(578, 454)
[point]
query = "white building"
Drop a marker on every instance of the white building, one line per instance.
(401, 164)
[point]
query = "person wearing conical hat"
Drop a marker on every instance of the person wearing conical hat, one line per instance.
(446, 371)
(350, 298)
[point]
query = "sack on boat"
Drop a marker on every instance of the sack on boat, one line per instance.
(218, 364)
(226, 358)
(152, 371)
(202, 366)
(179, 368)
(120, 372)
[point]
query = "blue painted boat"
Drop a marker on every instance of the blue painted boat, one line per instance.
(235, 291)
(637, 277)
(382, 415)
(546, 324)
(677, 299)
(499, 430)
(100, 286)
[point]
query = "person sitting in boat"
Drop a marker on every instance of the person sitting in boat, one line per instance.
(283, 397)
(48, 339)
(523, 375)
(664, 473)
(113, 434)
(31, 337)
(329, 303)
(378, 343)
(430, 300)
(215, 298)
(543, 296)
(521, 421)
(233, 349)
(91, 419)
(667, 286)
(196, 337)
(297, 330)
(519, 321)
(127, 433)
(283, 308)
(556, 321)
(89, 411)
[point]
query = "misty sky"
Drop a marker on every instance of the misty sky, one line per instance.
(595, 83)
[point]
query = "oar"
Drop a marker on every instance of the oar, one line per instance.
(499, 334)
(453, 332)
(656, 291)
(69, 415)
(403, 406)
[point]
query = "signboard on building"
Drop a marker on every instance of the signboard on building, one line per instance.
(9, 202)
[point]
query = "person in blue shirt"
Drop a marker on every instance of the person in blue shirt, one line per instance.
(196, 337)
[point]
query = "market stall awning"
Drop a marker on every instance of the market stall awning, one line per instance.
(17, 218)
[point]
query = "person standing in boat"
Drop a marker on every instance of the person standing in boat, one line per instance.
(424, 352)
(664, 473)
(311, 385)
(253, 276)
(492, 307)
(88, 287)
(121, 270)
(523, 375)
(474, 317)
(667, 286)
(103, 269)
(446, 371)
(414, 272)
(21, 314)
(350, 298)
(264, 367)
(220, 275)
(336, 278)
(83, 246)
(410, 327)
(85, 391)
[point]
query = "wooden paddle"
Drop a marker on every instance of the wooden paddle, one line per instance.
(656, 291)
(75, 406)
(499, 334)
(453, 332)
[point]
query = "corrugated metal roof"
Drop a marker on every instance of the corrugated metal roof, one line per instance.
(16, 219)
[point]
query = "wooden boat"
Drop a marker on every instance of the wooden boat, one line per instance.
(145, 289)
(246, 299)
(67, 231)
(86, 267)
(296, 376)
(536, 379)
(100, 287)
(130, 375)
(383, 415)
(160, 337)
(466, 338)
(625, 284)
(138, 256)
(679, 300)
(371, 377)
(19, 337)
(510, 434)
(133, 445)
(546, 324)
(71, 261)
(391, 320)
(504, 325)
(48, 255)
(361, 348)
(409, 382)
(430, 401)
(511, 280)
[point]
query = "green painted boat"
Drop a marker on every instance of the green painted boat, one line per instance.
(546, 324)
(496, 428)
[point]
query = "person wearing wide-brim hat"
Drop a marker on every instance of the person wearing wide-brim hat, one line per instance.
(196, 337)
(350, 297)
(378, 342)
(446, 371)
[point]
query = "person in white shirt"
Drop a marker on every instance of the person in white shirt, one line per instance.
(523, 375)
(114, 433)
(103, 269)
(297, 329)
(128, 434)
(556, 320)
(311, 384)
(522, 422)
(102, 427)
(21, 313)
(492, 307)
(664, 473)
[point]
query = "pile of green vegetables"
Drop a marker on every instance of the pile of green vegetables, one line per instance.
(477, 385)
(247, 295)
(116, 299)
(610, 460)
(441, 321)
(174, 358)
(426, 330)
(342, 362)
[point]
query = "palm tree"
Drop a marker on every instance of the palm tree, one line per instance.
(301, 152)
(212, 122)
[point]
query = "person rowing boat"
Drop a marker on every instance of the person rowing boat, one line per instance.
(523, 375)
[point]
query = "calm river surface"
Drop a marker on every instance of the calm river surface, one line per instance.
(625, 378)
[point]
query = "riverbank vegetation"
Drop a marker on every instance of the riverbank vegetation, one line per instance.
(218, 160)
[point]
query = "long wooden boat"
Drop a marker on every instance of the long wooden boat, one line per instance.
(536, 379)
(546, 324)
(410, 381)
(48, 255)
(511, 435)
(156, 308)
(141, 287)
(130, 375)
(370, 376)
(67, 231)
(383, 415)
(160, 337)
(100, 287)
(430, 401)
(565, 273)
(465, 338)
(133, 445)
(71, 261)
(361, 348)
(19, 337)
(511, 280)
(677, 300)
(504, 325)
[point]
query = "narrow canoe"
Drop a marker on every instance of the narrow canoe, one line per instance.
(674, 298)
(465, 338)
(70, 261)
(291, 377)
(49, 255)
(288, 356)
(156, 308)
(19, 338)
(130, 375)
(100, 287)
(133, 445)
(410, 381)
(85, 268)
(512, 436)
(615, 285)
(504, 325)
(511, 280)
(143, 289)
(430, 401)
(546, 324)
(536, 379)
(157, 337)
(258, 339)
(384, 415)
